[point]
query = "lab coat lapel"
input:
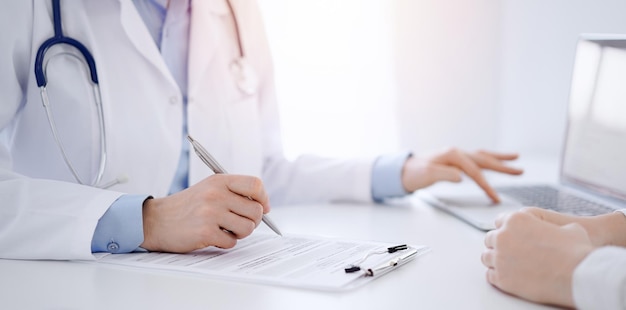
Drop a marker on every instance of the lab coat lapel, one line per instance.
(204, 38)
(141, 39)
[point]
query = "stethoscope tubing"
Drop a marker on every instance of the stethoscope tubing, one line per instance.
(42, 82)
(239, 65)
(237, 32)
(59, 38)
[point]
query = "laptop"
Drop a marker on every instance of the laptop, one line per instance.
(592, 172)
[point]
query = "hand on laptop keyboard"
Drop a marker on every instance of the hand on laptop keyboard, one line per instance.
(450, 166)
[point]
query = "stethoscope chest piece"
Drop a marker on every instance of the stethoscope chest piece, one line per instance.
(245, 77)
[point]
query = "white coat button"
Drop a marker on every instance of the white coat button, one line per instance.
(113, 247)
(174, 100)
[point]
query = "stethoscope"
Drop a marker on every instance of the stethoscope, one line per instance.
(242, 73)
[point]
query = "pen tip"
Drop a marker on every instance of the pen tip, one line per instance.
(189, 138)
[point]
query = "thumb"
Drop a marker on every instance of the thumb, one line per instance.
(550, 215)
(574, 228)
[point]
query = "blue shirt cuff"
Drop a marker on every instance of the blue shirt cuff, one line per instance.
(120, 229)
(387, 176)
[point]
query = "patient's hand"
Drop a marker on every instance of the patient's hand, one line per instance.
(535, 259)
(607, 229)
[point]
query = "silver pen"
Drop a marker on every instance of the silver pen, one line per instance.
(217, 169)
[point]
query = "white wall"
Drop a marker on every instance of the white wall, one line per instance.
(538, 41)
(334, 73)
(447, 67)
(429, 73)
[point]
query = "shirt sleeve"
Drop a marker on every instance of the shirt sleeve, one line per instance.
(120, 229)
(599, 281)
(387, 176)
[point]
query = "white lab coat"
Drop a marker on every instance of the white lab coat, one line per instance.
(44, 214)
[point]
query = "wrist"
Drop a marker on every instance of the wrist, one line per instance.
(149, 242)
(575, 254)
(616, 229)
(607, 229)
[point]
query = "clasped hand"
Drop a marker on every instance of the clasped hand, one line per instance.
(533, 253)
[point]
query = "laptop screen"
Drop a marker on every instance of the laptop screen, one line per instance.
(595, 146)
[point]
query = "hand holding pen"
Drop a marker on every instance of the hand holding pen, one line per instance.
(218, 169)
(217, 211)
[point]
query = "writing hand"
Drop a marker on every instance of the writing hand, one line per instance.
(214, 212)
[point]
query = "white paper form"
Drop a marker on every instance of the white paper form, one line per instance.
(296, 261)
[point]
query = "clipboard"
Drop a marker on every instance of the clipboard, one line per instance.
(307, 262)
(375, 271)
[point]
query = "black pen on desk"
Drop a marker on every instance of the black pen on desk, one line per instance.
(217, 168)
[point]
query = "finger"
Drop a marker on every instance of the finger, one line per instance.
(471, 169)
(500, 219)
(500, 156)
(488, 161)
(575, 227)
(490, 239)
(505, 169)
(487, 258)
(492, 277)
(577, 232)
(240, 227)
(534, 211)
(223, 239)
(246, 208)
(250, 187)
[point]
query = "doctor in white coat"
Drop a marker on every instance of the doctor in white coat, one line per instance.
(46, 214)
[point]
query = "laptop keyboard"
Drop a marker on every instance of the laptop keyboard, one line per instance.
(553, 199)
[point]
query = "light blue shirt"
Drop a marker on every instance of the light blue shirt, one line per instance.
(120, 230)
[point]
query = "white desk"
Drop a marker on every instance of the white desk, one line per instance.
(449, 277)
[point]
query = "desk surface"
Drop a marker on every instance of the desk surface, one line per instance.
(451, 276)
